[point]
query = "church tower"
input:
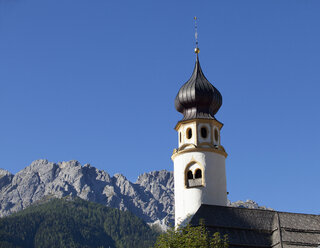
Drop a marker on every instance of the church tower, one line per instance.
(199, 160)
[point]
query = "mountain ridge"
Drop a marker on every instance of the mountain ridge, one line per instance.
(151, 202)
(151, 197)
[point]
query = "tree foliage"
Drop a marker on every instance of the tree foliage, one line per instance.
(74, 224)
(191, 237)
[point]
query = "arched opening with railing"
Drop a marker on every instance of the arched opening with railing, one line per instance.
(193, 175)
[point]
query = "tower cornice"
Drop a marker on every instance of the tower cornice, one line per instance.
(219, 150)
(211, 121)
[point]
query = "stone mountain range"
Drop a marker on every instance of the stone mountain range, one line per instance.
(151, 197)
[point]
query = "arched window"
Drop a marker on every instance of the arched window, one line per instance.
(198, 174)
(204, 132)
(190, 175)
(216, 135)
(189, 133)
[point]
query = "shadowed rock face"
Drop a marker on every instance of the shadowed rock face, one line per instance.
(5, 178)
(151, 197)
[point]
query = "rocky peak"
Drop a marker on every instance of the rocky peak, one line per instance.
(247, 204)
(4, 172)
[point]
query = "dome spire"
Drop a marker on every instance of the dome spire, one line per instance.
(196, 50)
(198, 98)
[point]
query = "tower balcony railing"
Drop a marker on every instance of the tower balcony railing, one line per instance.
(194, 182)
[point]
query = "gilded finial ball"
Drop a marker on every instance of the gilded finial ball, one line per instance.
(197, 50)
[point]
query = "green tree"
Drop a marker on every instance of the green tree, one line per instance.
(74, 223)
(191, 237)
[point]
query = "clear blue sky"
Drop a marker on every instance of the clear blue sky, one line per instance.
(95, 81)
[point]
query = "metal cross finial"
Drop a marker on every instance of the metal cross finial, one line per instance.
(196, 50)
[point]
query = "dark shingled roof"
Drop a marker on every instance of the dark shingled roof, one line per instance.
(261, 228)
(198, 98)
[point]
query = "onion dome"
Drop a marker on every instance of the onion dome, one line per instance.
(198, 98)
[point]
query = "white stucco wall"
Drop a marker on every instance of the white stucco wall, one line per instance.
(214, 191)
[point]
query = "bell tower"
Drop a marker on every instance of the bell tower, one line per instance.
(199, 160)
